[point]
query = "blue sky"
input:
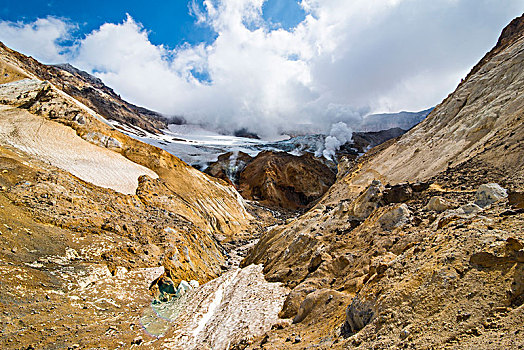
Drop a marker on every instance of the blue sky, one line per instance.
(168, 22)
(265, 65)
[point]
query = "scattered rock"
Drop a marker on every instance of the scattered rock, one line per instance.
(438, 204)
(489, 193)
(516, 199)
(397, 193)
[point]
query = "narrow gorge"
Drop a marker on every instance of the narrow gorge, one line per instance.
(406, 239)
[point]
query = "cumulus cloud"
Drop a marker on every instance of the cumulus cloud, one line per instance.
(41, 38)
(343, 61)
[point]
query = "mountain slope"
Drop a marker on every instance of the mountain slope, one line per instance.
(375, 266)
(402, 120)
(91, 218)
(85, 88)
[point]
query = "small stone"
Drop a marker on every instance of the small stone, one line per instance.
(438, 204)
(14, 249)
(470, 208)
(137, 341)
(404, 334)
(298, 339)
(516, 199)
(489, 193)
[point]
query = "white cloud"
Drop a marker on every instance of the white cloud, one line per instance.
(40, 39)
(344, 60)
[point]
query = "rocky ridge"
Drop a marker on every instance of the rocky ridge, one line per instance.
(83, 87)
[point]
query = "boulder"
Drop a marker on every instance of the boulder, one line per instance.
(313, 300)
(194, 284)
(470, 208)
(516, 199)
(359, 314)
(368, 201)
(315, 262)
(397, 193)
(183, 288)
(420, 186)
(395, 216)
(489, 193)
(438, 204)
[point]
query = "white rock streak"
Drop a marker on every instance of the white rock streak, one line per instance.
(238, 305)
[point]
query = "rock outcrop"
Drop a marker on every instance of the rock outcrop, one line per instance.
(286, 181)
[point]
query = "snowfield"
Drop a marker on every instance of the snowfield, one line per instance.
(60, 146)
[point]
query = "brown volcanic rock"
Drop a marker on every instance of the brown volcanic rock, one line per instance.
(283, 180)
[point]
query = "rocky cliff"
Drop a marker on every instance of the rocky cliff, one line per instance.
(410, 248)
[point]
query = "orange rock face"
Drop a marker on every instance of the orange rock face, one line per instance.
(283, 180)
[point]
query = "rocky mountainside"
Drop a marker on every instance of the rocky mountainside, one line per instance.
(279, 179)
(92, 222)
(401, 120)
(419, 244)
(83, 87)
(275, 179)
